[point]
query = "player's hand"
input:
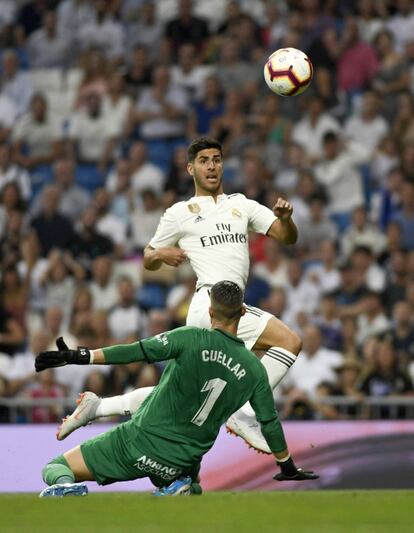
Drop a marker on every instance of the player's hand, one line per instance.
(171, 256)
(301, 475)
(283, 209)
(61, 357)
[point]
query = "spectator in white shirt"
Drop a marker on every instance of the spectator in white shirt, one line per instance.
(103, 32)
(15, 84)
(102, 286)
(93, 133)
(162, 109)
(47, 47)
(36, 135)
(338, 172)
(274, 268)
(314, 364)
(401, 24)
(362, 233)
(309, 132)
(116, 105)
(20, 371)
(12, 173)
(147, 30)
(188, 74)
(108, 223)
(372, 321)
(365, 267)
(127, 322)
(72, 16)
(367, 127)
(144, 174)
(145, 219)
(73, 198)
(317, 228)
(8, 114)
(326, 274)
(302, 295)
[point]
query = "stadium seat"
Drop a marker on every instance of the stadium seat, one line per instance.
(256, 290)
(151, 296)
(46, 79)
(71, 79)
(40, 177)
(89, 177)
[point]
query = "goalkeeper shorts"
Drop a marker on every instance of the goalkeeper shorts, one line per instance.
(111, 457)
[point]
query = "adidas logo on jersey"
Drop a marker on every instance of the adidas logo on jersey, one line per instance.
(199, 219)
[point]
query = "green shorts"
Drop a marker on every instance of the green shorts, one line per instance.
(113, 457)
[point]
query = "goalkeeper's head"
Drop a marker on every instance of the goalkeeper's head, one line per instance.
(226, 305)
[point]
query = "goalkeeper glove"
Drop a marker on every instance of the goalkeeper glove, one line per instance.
(63, 356)
(289, 472)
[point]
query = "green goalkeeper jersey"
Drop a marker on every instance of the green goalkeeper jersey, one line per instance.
(210, 375)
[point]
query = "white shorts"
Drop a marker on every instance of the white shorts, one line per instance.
(251, 324)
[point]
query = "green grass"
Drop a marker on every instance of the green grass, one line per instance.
(296, 512)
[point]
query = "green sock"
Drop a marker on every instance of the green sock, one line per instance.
(58, 471)
(196, 489)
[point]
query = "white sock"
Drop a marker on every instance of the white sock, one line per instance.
(277, 362)
(125, 404)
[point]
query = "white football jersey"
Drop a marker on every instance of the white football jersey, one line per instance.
(214, 235)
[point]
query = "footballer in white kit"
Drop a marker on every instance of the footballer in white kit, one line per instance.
(211, 231)
(214, 235)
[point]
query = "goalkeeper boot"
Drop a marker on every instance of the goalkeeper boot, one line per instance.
(64, 489)
(179, 487)
(84, 413)
(248, 428)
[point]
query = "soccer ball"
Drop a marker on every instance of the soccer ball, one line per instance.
(288, 72)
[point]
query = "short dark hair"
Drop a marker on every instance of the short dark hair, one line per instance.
(202, 143)
(227, 300)
(329, 136)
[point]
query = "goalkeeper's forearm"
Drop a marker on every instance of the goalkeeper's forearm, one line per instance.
(275, 438)
(117, 355)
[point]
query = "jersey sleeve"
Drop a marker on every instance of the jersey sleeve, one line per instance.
(263, 405)
(260, 217)
(168, 232)
(168, 345)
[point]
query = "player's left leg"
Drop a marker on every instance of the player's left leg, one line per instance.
(64, 474)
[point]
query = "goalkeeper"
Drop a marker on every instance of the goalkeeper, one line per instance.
(210, 375)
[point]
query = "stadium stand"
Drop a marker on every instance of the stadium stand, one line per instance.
(77, 79)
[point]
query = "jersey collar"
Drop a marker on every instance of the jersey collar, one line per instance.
(229, 335)
(220, 198)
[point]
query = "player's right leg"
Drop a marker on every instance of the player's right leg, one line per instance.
(64, 475)
(90, 407)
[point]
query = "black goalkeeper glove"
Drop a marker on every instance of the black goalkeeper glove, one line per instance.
(64, 356)
(289, 472)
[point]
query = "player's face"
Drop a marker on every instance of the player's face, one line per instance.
(207, 171)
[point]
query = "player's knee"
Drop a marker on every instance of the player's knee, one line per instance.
(293, 342)
(59, 460)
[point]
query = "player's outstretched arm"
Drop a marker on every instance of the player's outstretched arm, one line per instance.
(263, 404)
(283, 229)
(168, 345)
(155, 257)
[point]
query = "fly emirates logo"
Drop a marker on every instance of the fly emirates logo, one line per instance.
(225, 236)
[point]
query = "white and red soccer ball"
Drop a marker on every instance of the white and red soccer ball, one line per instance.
(288, 72)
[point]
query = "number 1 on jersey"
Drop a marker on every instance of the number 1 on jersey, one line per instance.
(214, 387)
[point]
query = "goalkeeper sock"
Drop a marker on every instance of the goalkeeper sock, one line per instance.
(277, 362)
(58, 471)
(125, 404)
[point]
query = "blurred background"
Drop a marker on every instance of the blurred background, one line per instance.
(98, 101)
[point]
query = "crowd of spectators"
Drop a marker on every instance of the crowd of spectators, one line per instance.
(98, 100)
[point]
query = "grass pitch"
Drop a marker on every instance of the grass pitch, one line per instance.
(254, 512)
